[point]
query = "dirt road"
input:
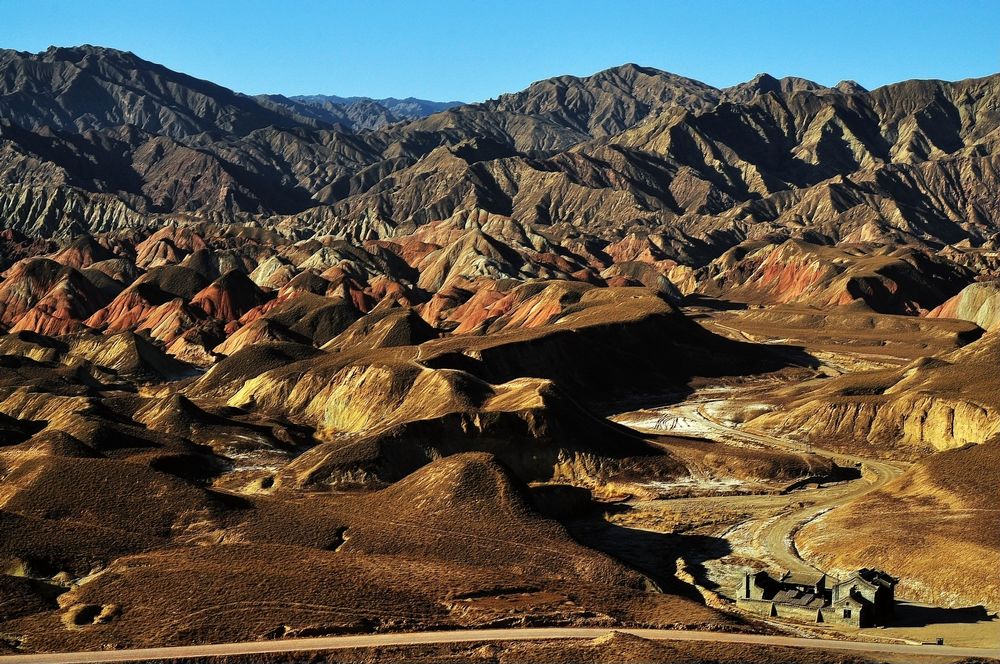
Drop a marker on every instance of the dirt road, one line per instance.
(775, 534)
(471, 636)
(778, 534)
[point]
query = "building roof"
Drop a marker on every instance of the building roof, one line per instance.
(877, 577)
(798, 598)
(802, 579)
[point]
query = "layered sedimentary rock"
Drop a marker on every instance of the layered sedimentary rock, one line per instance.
(978, 302)
(886, 280)
(931, 404)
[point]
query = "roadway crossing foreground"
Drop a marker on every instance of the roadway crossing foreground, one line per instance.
(467, 636)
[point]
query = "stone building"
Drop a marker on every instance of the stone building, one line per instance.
(863, 599)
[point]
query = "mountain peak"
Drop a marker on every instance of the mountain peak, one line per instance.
(765, 83)
(850, 87)
(112, 79)
(78, 53)
(765, 80)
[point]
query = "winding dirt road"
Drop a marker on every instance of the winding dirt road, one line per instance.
(475, 636)
(775, 534)
(778, 534)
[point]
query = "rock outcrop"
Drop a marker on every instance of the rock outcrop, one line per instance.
(978, 302)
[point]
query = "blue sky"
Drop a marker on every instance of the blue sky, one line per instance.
(472, 50)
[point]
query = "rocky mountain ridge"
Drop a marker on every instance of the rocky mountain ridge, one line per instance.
(630, 149)
(368, 113)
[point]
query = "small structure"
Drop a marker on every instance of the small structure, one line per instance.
(865, 598)
(872, 591)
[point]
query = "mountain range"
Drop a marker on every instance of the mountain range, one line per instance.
(368, 113)
(94, 138)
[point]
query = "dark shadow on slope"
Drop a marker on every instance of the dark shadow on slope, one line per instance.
(712, 303)
(916, 615)
(759, 359)
(652, 553)
(14, 431)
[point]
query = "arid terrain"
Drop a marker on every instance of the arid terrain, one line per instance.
(580, 356)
